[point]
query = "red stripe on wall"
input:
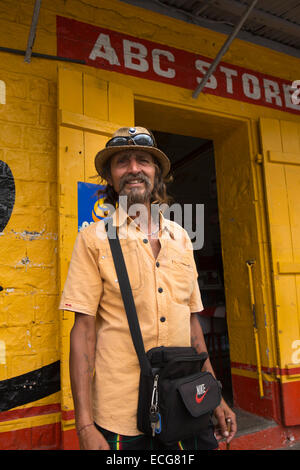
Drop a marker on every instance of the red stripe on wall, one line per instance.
(28, 412)
(47, 437)
(70, 440)
(247, 397)
(67, 415)
(267, 370)
(291, 403)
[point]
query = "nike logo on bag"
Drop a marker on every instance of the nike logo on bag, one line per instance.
(200, 399)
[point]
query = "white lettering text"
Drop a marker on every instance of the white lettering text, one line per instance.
(272, 91)
(104, 49)
(229, 73)
(135, 60)
(296, 94)
(201, 65)
(288, 94)
(251, 86)
(156, 54)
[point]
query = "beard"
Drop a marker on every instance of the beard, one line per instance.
(136, 195)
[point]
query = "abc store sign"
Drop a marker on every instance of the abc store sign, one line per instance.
(111, 50)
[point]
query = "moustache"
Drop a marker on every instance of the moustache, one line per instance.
(131, 177)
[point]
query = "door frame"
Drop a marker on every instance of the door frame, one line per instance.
(253, 351)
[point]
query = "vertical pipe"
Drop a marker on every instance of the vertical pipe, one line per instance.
(250, 264)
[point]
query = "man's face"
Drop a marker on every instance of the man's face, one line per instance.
(132, 175)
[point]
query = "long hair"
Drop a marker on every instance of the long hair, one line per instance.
(159, 193)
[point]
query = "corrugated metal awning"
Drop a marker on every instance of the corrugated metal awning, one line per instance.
(272, 23)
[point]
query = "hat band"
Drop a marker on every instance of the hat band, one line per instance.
(144, 140)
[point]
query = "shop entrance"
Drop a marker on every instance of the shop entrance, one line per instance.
(213, 159)
(216, 162)
(194, 182)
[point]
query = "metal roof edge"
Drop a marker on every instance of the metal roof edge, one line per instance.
(219, 28)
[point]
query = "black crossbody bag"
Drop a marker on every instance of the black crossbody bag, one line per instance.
(176, 400)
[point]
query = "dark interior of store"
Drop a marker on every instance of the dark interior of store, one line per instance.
(194, 182)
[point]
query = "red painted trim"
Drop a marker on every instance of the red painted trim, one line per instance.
(67, 415)
(246, 396)
(46, 437)
(70, 440)
(290, 393)
(267, 439)
(290, 371)
(9, 415)
(29, 412)
(280, 401)
(267, 370)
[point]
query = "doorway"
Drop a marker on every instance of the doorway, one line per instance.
(229, 148)
(194, 182)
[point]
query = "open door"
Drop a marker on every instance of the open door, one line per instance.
(281, 167)
(90, 110)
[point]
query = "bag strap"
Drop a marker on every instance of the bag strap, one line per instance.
(127, 297)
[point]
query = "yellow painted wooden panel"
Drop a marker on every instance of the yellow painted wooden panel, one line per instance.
(271, 136)
(70, 91)
(82, 122)
(290, 137)
(284, 157)
(71, 167)
(68, 227)
(282, 189)
(287, 314)
(278, 212)
(292, 175)
(92, 144)
(288, 268)
(237, 222)
(71, 170)
(95, 102)
(84, 128)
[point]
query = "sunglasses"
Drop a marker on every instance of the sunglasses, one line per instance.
(139, 139)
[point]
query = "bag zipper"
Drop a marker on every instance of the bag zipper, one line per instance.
(179, 359)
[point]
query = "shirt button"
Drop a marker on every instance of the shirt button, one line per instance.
(160, 290)
(157, 264)
(145, 240)
(162, 319)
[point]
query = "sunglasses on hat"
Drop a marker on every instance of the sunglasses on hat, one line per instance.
(144, 140)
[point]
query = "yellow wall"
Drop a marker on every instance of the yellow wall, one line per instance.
(29, 328)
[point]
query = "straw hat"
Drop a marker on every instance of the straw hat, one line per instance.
(130, 132)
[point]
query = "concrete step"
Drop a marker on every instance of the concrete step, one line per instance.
(257, 433)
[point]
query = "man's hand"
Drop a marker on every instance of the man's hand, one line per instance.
(222, 413)
(92, 439)
(224, 416)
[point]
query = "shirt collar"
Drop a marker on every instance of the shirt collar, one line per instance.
(165, 226)
(120, 217)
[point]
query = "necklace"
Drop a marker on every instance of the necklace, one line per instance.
(152, 233)
(145, 233)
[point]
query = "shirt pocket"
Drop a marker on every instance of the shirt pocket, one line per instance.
(107, 268)
(183, 279)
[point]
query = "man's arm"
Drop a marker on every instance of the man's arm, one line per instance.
(82, 362)
(223, 413)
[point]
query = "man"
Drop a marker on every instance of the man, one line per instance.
(159, 259)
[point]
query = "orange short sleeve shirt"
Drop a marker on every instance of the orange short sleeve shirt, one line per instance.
(165, 291)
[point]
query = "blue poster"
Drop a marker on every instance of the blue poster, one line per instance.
(91, 207)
